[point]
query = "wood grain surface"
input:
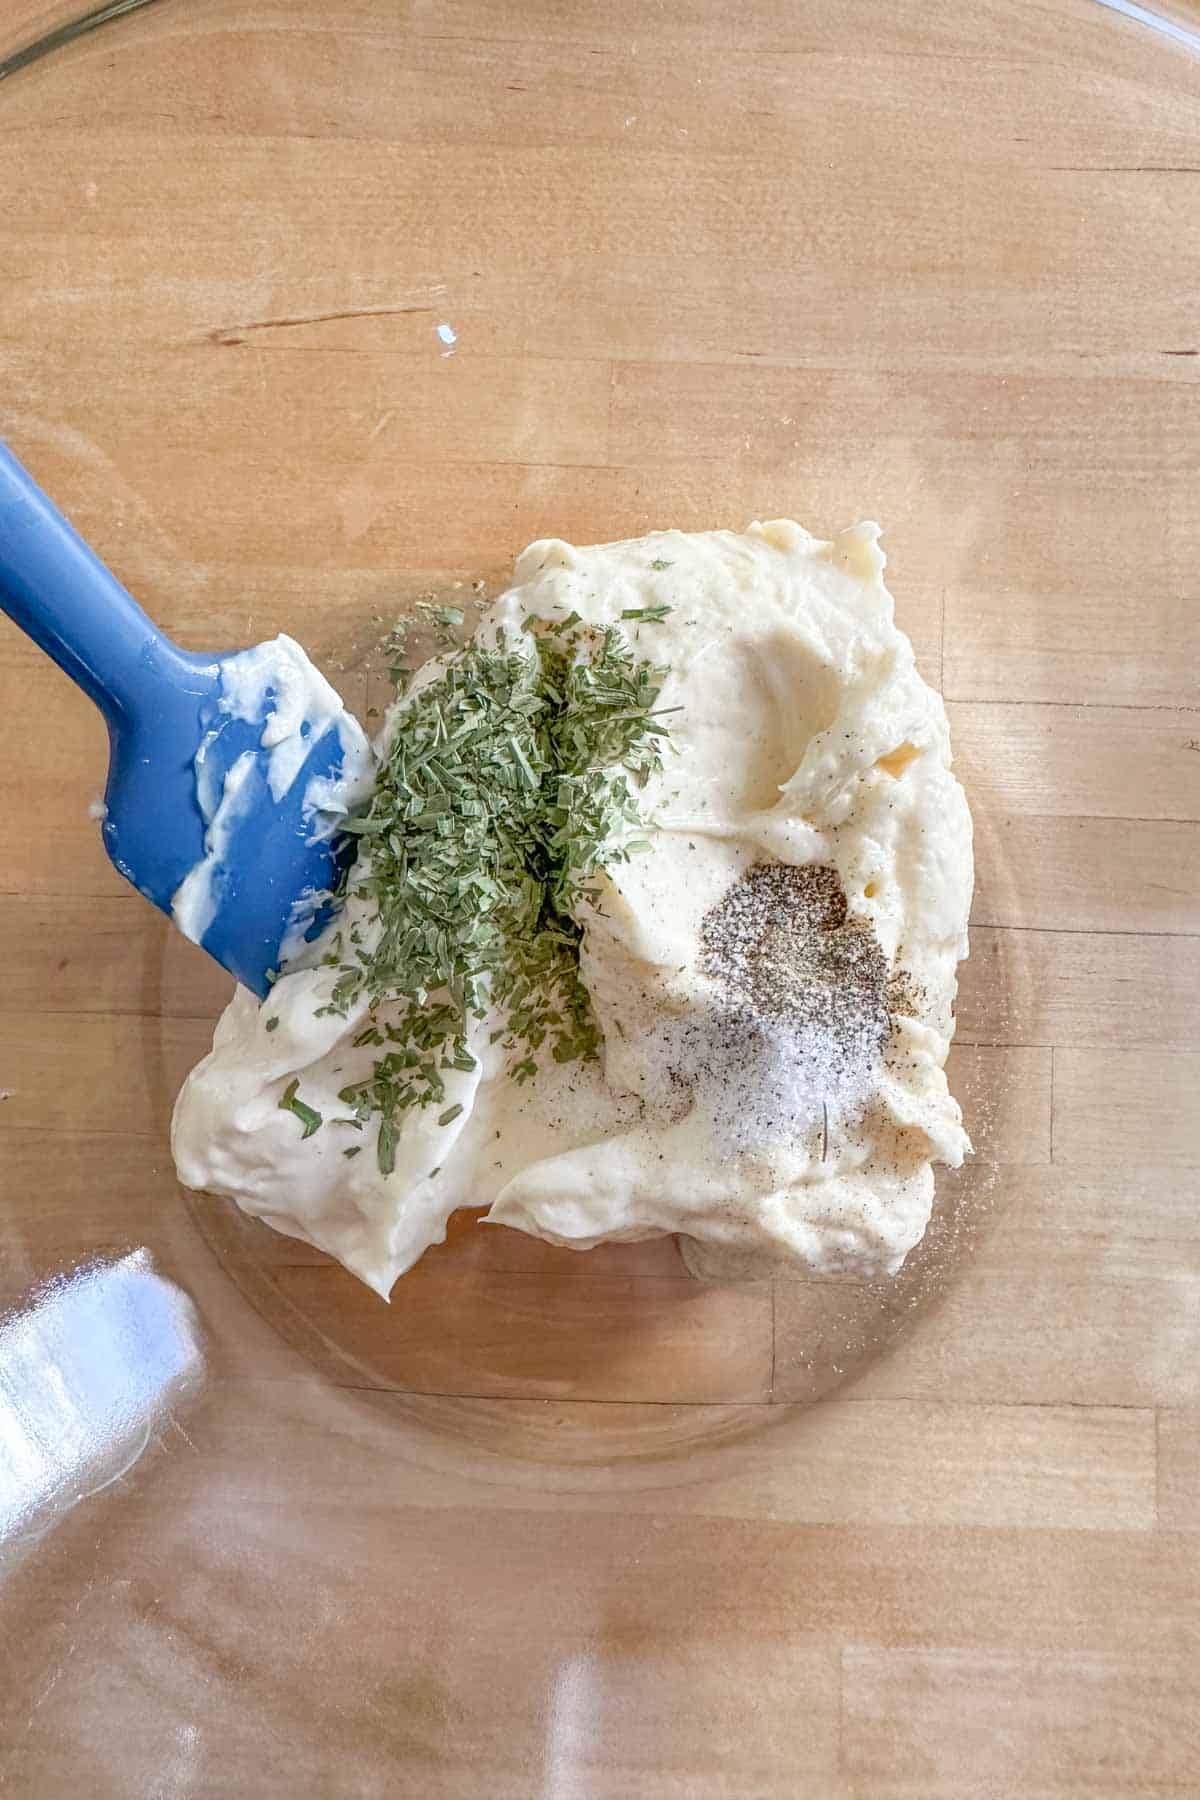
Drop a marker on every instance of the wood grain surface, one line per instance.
(571, 1526)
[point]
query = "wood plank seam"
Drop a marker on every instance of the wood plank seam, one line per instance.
(1079, 706)
(1184, 937)
(774, 1344)
(1158, 1468)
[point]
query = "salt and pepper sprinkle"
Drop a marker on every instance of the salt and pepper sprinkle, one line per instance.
(799, 1012)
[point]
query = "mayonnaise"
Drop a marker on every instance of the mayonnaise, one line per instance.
(805, 736)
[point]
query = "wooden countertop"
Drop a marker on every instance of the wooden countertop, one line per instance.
(549, 1526)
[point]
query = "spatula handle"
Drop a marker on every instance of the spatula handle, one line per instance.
(60, 593)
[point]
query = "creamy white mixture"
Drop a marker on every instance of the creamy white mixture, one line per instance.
(806, 736)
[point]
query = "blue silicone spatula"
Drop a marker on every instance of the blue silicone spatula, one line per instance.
(162, 706)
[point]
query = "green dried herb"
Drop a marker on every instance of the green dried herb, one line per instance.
(308, 1116)
(444, 621)
(508, 785)
(648, 615)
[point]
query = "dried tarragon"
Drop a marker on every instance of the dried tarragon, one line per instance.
(509, 782)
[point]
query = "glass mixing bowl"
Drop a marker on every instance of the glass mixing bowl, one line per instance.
(594, 1525)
